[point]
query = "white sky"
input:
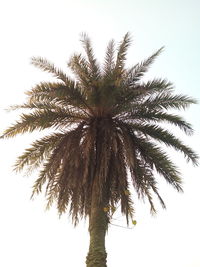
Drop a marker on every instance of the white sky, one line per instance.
(32, 237)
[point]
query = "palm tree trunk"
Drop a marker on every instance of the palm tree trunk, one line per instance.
(98, 223)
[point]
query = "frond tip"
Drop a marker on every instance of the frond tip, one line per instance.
(46, 65)
(121, 55)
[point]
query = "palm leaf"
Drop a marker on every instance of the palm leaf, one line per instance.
(46, 65)
(143, 116)
(138, 71)
(38, 152)
(79, 66)
(165, 101)
(167, 138)
(93, 66)
(40, 120)
(156, 157)
(121, 55)
(109, 59)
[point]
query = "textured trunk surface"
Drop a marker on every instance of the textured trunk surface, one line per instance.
(98, 223)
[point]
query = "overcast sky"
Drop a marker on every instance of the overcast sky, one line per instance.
(29, 235)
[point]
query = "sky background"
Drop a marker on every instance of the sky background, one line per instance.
(29, 235)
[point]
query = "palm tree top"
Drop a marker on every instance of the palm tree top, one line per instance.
(107, 124)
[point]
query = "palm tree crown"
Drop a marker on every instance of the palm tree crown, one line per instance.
(107, 128)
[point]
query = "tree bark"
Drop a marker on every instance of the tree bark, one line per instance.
(98, 224)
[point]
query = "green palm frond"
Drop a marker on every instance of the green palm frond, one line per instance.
(40, 120)
(165, 101)
(38, 152)
(141, 172)
(42, 104)
(157, 116)
(61, 169)
(51, 90)
(118, 166)
(142, 179)
(49, 171)
(167, 138)
(109, 61)
(46, 65)
(45, 176)
(93, 66)
(66, 95)
(121, 55)
(132, 95)
(138, 71)
(156, 157)
(79, 66)
(152, 87)
(51, 166)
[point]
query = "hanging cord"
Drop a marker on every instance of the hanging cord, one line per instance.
(129, 228)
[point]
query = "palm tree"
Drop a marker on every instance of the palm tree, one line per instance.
(107, 130)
